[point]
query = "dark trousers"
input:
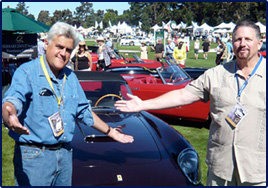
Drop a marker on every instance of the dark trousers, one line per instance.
(101, 65)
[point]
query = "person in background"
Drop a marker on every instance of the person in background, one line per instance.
(236, 150)
(170, 46)
(159, 50)
(82, 59)
(219, 51)
(41, 44)
(230, 50)
(105, 53)
(205, 46)
(225, 53)
(179, 53)
(144, 51)
(41, 108)
(109, 42)
(196, 48)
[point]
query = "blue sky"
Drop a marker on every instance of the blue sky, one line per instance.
(36, 7)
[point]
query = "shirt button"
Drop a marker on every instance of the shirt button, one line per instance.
(65, 123)
(64, 138)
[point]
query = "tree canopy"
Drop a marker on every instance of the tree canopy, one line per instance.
(151, 13)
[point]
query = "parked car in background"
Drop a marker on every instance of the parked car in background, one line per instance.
(263, 49)
(133, 41)
(148, 83)
(159, 156)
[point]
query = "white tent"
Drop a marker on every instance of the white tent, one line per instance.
(124, 28)
(206, 27)
(262, 27)
(229, 26)
(221, 31)
(156, 27)
(221, 26)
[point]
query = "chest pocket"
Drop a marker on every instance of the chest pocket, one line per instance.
(47, 104)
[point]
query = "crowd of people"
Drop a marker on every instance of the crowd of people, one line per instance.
(178, 48)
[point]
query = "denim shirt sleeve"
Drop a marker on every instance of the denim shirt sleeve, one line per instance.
(19, 89)
(84, 113)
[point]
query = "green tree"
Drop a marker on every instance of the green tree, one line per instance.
(43, 17)
(109, 16)
(22, 8)
(84, 15)
(64, 16)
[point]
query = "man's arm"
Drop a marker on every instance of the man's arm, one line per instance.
(168, 100)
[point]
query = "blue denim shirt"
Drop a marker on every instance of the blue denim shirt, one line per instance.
(35, 101)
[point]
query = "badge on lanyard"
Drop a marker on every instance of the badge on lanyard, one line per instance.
(236, 115)
(56, 125)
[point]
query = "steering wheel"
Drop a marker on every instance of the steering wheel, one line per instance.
(107, 95)
(171, 77)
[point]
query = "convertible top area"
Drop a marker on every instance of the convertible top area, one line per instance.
(97, 76)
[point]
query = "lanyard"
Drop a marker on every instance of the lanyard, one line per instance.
(246, 82)
(49, 80)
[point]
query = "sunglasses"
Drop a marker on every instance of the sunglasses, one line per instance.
(82, 45)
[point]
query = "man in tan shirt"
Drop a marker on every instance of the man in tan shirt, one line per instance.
(236, 152)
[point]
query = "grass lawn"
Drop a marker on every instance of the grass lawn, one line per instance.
(197, 136)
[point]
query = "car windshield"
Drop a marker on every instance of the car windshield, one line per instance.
(104, 93)
(172, 74)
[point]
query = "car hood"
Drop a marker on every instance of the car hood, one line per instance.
(101, 150)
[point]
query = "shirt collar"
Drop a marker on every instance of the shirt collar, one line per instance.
(259, 72)
(51, 75)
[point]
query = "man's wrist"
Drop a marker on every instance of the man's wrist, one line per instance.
(108, 131)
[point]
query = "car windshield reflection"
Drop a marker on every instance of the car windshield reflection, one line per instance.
(172, 74)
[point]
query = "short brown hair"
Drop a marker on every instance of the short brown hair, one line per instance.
(248, 23)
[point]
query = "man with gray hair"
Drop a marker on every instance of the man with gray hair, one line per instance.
(236, 150)
(40, 110)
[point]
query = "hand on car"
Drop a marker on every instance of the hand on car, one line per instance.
(119, 136)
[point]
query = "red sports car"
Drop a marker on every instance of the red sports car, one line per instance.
(151, 83)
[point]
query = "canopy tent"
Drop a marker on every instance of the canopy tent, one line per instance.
(124, 28)
(228, 26)
(13, 21)
(156, 27)
(221, 31)
(205, 27)
(221, 26)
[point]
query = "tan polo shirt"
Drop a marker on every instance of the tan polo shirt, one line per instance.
(247, 142)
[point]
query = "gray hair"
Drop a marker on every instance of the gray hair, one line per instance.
(63, 29)
(248, 23)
